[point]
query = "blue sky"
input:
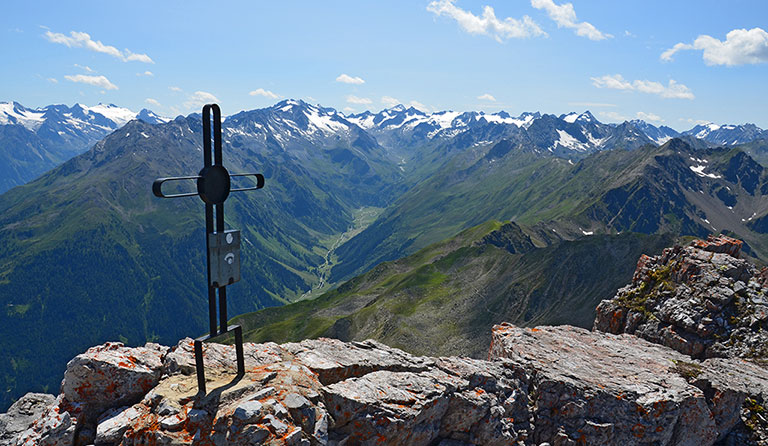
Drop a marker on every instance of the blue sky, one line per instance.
(671, 63)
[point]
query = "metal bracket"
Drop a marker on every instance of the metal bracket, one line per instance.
(200, 367)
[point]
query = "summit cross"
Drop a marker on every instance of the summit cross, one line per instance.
(222, 246)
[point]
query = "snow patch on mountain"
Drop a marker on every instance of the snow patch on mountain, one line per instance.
(568, 141)
(699, 170)
(324, 122)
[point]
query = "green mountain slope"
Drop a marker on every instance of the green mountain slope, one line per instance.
(673, 188)
(443, 299)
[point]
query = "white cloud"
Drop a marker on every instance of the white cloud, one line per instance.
(667, 55)
(347, 79)
(200, 98)
(649, 117)
(349, 109)
(487, 24)
(617, 82)
(176, 89)
(98, 81)
(356, 100)
(154, 102)
(741, 46)
(486, 97)
(83, 40)
(389, 101)
(565, 17)
(146, 73)
(53, 80)
(86, 68)
(263, 92)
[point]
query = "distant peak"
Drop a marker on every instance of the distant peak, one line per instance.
(677, 144)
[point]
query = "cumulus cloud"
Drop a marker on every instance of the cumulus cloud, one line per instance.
(146, 73)
(486, 97)
(565, 17)
(83, 40)
(151, 101)
(53, 80)
(652, 117)
(347, 79)
(740, 47)
(265, 93)
(176, 89)
(617, 82)
(487, 23)
(200, 98)
(356, 100)
(97, 81)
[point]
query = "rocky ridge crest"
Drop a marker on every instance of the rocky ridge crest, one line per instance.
(701, 300)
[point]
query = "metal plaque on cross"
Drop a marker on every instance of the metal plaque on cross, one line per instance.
(222, 246)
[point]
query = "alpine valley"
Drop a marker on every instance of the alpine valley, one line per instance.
(418, 229)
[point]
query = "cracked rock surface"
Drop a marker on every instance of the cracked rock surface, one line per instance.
(557, 385)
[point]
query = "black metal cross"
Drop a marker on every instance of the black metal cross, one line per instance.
(222, 246)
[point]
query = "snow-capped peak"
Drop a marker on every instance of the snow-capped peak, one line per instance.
(15, 113)
(570, 118)
(118, 115)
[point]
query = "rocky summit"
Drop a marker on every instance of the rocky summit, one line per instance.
(645, 376)
(556, 385)
(701, 300)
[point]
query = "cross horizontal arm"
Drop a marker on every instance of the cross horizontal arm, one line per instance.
(259, 181)
(157, 187)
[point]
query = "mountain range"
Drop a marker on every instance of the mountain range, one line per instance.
(87, 253)
(33, 141)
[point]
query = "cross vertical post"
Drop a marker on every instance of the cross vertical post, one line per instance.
(222, 246)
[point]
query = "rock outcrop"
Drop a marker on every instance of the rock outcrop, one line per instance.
(557, 385)
(701, 300)
(601, 389)
(672, 382)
